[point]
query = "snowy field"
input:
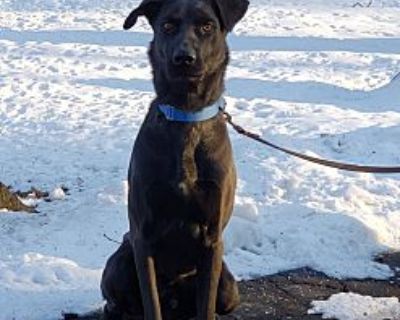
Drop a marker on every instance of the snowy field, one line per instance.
(316, 76)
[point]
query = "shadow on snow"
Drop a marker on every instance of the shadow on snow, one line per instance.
(237, 42)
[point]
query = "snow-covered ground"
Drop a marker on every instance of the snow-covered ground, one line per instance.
(312, 75)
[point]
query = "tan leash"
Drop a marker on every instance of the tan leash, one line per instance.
(324, 162)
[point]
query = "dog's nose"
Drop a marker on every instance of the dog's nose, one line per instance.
(187, 57)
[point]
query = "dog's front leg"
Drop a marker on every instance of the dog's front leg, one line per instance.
(209, 270)
(147, 281)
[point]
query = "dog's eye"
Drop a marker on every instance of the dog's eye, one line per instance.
(168, 27)
(207, 27)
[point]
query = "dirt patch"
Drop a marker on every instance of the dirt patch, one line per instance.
(288, 295)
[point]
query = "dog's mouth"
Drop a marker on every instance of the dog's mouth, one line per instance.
(182, 74)
(194, 76)
(191, 76)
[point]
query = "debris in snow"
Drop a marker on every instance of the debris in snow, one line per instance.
(10, 201)
(27, 200)
(33, 193)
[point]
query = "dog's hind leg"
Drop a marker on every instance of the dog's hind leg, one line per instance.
(228, 297)
(120, 285)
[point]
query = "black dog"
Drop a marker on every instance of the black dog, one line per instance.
(182, 177)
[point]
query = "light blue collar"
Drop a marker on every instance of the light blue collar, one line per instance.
(175, 114)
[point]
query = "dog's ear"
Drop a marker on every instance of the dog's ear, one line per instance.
(231, 11)
(148, 8)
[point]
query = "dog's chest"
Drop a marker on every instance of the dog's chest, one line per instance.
(187, 168)
(173, 168)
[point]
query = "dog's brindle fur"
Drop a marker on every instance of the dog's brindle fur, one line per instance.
(182, 177)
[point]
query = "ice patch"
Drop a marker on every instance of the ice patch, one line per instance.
(351, 306)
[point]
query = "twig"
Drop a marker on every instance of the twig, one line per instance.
(110, 239)
(359, 4)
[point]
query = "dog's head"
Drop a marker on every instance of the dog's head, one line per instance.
(189, 35)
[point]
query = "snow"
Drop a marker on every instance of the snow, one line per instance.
(351, 306)
(315, 76)
(57, 194)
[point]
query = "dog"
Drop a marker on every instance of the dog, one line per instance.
(181, 177)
